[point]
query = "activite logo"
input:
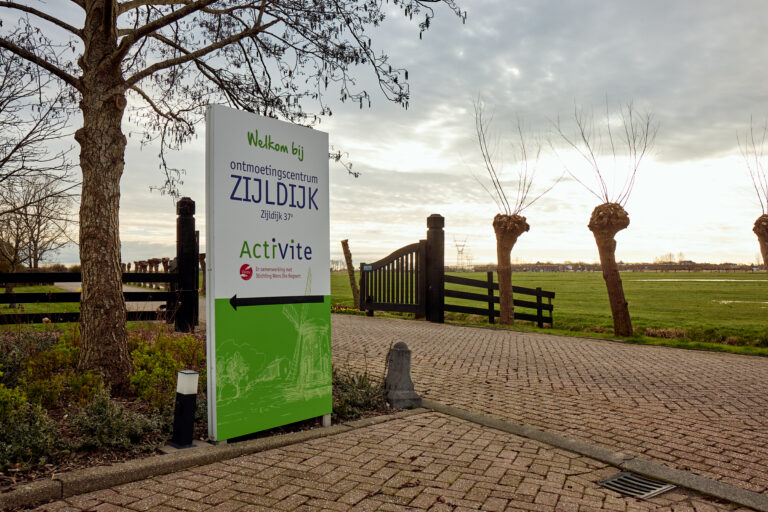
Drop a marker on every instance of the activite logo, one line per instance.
(246, 272)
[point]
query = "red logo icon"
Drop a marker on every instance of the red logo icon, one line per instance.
(246, 272)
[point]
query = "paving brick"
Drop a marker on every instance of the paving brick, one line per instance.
(697, 411)
(430, 461)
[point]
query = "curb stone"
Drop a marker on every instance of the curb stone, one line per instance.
(97, 478)
(33, 492)
(618, 459)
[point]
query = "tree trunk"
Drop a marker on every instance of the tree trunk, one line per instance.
(351, 272)
(102, 148)
(607, 220)
(508, 228)
(761, 230)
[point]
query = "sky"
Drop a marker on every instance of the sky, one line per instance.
(697, 66)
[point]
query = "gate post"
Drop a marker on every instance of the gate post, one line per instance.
(435, 272)
(187, 263)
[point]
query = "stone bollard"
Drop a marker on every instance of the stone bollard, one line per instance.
(398, 384)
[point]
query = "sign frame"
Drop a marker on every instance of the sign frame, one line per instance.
(267, 273)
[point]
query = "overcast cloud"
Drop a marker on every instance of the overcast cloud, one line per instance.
(699, 66)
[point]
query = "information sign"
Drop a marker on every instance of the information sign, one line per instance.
(268, 264)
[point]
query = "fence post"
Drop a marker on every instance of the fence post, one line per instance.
(539, 313)
(491, 302)
(187, 262)
(435, 268)
(364, 298)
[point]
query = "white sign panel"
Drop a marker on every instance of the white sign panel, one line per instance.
(268, 257)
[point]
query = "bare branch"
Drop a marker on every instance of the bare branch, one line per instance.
(158, 66)
(42, 15)
(136, 4)
(39, 61)
(527, 167)
(152, 26)
(638, 133)
(752, 148)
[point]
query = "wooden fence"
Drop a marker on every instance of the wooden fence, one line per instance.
(181, 303)
(412, 280)
(543, 312)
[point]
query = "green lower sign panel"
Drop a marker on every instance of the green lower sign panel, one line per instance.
(273, 365)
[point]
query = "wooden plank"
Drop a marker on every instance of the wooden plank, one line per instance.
(39, 277)
(531, 291)
(532, 305)
(34, 298)
(469, 296)
(59, 297)
(466, 309)
(75, 277)
(150, 296)
(468, 282)
(150, 277)
(388, 259)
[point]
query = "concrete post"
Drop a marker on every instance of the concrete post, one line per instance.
(398, 384)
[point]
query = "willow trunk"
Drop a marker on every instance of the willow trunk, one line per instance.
(607, 220)
(508, 229)
(102, 149)
(761, 230)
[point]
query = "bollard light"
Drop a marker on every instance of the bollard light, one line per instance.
(184, 411)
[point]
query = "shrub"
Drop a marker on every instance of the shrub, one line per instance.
(55, 267)
(46, 374)
(17, 348)
(83, 387)
(355, 394)
(27, 432)
(158, 361)
(105, 424)
(75, 268)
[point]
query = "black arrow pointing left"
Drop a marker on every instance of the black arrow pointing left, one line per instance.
(263, 301)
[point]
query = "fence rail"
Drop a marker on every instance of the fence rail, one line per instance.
(76, 277)
(181, 302)
(169, 298)
(412, 280)
(543, 310)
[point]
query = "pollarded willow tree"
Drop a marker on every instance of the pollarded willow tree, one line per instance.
(753, 150)
(612, 148)
(171, 58)
(509, 223)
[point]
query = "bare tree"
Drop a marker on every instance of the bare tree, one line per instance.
(171, 58)
(509, 224)
(33, 118)
(37, 214)
(752, 148)
(612, 149)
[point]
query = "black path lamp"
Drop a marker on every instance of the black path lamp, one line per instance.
(184, 412)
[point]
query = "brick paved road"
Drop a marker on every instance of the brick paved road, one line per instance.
(697, 411)
(422, 462)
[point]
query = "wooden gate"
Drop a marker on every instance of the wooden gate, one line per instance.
(395, 283)
(410, 280)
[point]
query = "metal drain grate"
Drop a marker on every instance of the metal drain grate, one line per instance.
(636, 486)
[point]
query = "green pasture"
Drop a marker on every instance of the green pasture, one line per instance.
(42, 307)
(730, 308)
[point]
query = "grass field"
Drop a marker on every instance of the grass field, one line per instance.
(730, 308)
(5, 309)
